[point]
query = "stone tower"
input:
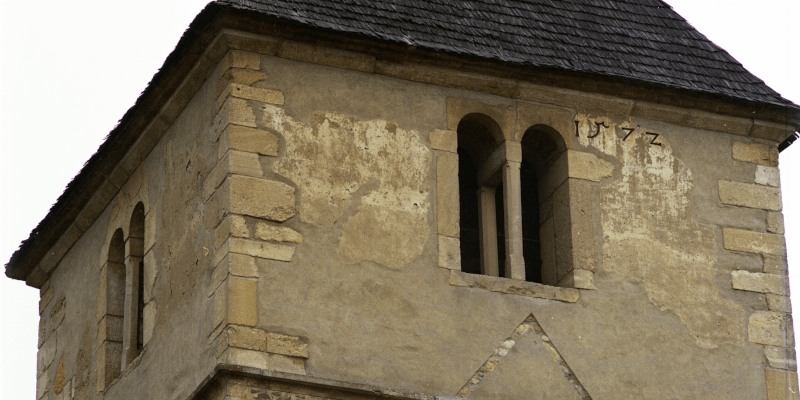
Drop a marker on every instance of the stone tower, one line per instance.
(419, 200)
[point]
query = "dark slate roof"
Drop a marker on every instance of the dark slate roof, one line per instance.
(643, 40)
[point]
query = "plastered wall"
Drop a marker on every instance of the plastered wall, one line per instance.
(297, 220)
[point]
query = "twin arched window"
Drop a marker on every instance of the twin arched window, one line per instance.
(505, 200)
(121, 305)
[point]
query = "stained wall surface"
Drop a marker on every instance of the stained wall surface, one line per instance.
(297, 220)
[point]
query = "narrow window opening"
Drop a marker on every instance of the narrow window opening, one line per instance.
(541, 146)
(481, 196)
(468, 198)
(140, 310)
(134, 306)
(501, 231)
(531, 245)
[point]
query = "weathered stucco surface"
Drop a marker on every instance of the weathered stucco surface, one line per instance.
(651, 232)
(367, 178)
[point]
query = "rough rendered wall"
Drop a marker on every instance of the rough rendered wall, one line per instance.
(363, 295)
(300, 225)
(176, 256)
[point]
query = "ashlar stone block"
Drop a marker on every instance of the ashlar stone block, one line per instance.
(258, 249)
(261, 198)
(277, 233)
(774, 265)
(449, 253)
(242, 301)
(246, 92)
(444, 140)
(768, 176)
(245, 337)
(775, 222)
(250, 140)
(770, 328)
(588, 166)
(753, 242)
(780, 303)
(781, 358)
(758, 282)
(447, 193)
(286, 345)
(781, 384)
(749, 195)
(755, 153)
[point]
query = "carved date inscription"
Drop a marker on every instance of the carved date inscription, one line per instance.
(602, 127)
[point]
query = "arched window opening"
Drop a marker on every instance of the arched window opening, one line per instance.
(480, 197)
(134, 332)
(541, 147)
(112, 305)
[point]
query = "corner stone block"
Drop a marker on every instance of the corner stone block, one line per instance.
(753, 242)
(775, 223)
(243, 59)
(770, 328)
(233, 112)
(261, 249)
(286, 345)
(250, 140)
(750, 195)
(277, 233)
(781, 384)
(755, 153)
(444, 140)
(242, 301)
(245, 358)
(234, 162)
(588, 166)
(242, 266)
(768, 176)
(449, 253)
(758, 282)
(244, 337)
(232, 226)
(250, 93)
(775, 265)
(261, 198)
(447, 194)
(781, 358)
(779, 303)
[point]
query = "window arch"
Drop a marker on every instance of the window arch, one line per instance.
(489, 196)
(541, 148)
(134, 301)
(111, 311)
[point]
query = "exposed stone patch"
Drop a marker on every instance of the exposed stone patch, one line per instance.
(332, 157)
(652, 235)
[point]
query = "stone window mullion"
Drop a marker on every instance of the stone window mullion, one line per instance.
(512, 196)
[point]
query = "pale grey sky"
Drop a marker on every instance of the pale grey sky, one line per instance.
(70, 70)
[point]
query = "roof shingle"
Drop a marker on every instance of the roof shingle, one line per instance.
(640, 39)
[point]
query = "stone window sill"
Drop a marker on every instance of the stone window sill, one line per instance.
(513, 286)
